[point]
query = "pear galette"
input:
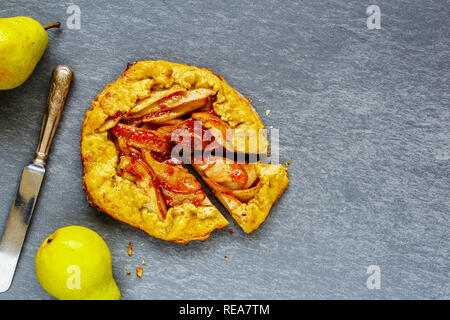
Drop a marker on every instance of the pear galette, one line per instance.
(129, 138)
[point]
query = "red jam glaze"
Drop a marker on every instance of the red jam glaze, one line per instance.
(163, 104)
(169, 170)
(140, 137)
(121, 130)
(156, 114)
(165, 158)
(134, 171)
(238, 173)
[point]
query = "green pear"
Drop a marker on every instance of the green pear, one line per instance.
(22, 43)
(74, 263)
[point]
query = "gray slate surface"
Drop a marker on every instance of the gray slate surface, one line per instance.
(364, 118)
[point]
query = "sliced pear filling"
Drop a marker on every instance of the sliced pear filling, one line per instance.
(143, 139)
(168, 130)
(145, 179)
(110, 123)
(173, 106)
(142, 105)
(176, 179)
(216, 127)
(227, 173)
(168, 184)
(174, 199)
(227, 177)
(244, 195)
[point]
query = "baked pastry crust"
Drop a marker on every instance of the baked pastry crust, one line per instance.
(249, 214)
(123, 199)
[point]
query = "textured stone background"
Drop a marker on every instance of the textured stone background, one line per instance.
(364, 118)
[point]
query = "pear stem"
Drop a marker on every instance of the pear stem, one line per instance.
(52, 25)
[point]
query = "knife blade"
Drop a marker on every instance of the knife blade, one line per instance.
(18, 221)
(31, 180)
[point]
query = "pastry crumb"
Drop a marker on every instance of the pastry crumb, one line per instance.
(288, 163)
(126, 269)
(143, 261)
(267, 112)
(128, 273)
(230, 231)
(139, 271)
(226, 257)
(130, 248)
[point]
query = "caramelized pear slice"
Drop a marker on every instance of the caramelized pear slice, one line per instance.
(153, 126)
(149, 140)
(246, 195)
(216, 127)
(241, 195)
(174, 199)
(145, 179)
(173, 101)
(166, 131)
(227, 173)
(175, 106)
(109, 123)
(142, 105)
(209, 107)
(123, 130)
(252, 175)
(161, 117)
(172, 178)
(210, 120)
(171, 122)
(141, 138)
(187, 131)
(123, 147)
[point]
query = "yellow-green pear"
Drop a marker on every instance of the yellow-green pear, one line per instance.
(74, 263)
(22, 43)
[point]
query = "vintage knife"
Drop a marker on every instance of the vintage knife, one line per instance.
(32, 176)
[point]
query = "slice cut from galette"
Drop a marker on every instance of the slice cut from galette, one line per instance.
(143, 128)
(248, 191)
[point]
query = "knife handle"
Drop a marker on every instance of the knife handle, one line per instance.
(59, 87)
